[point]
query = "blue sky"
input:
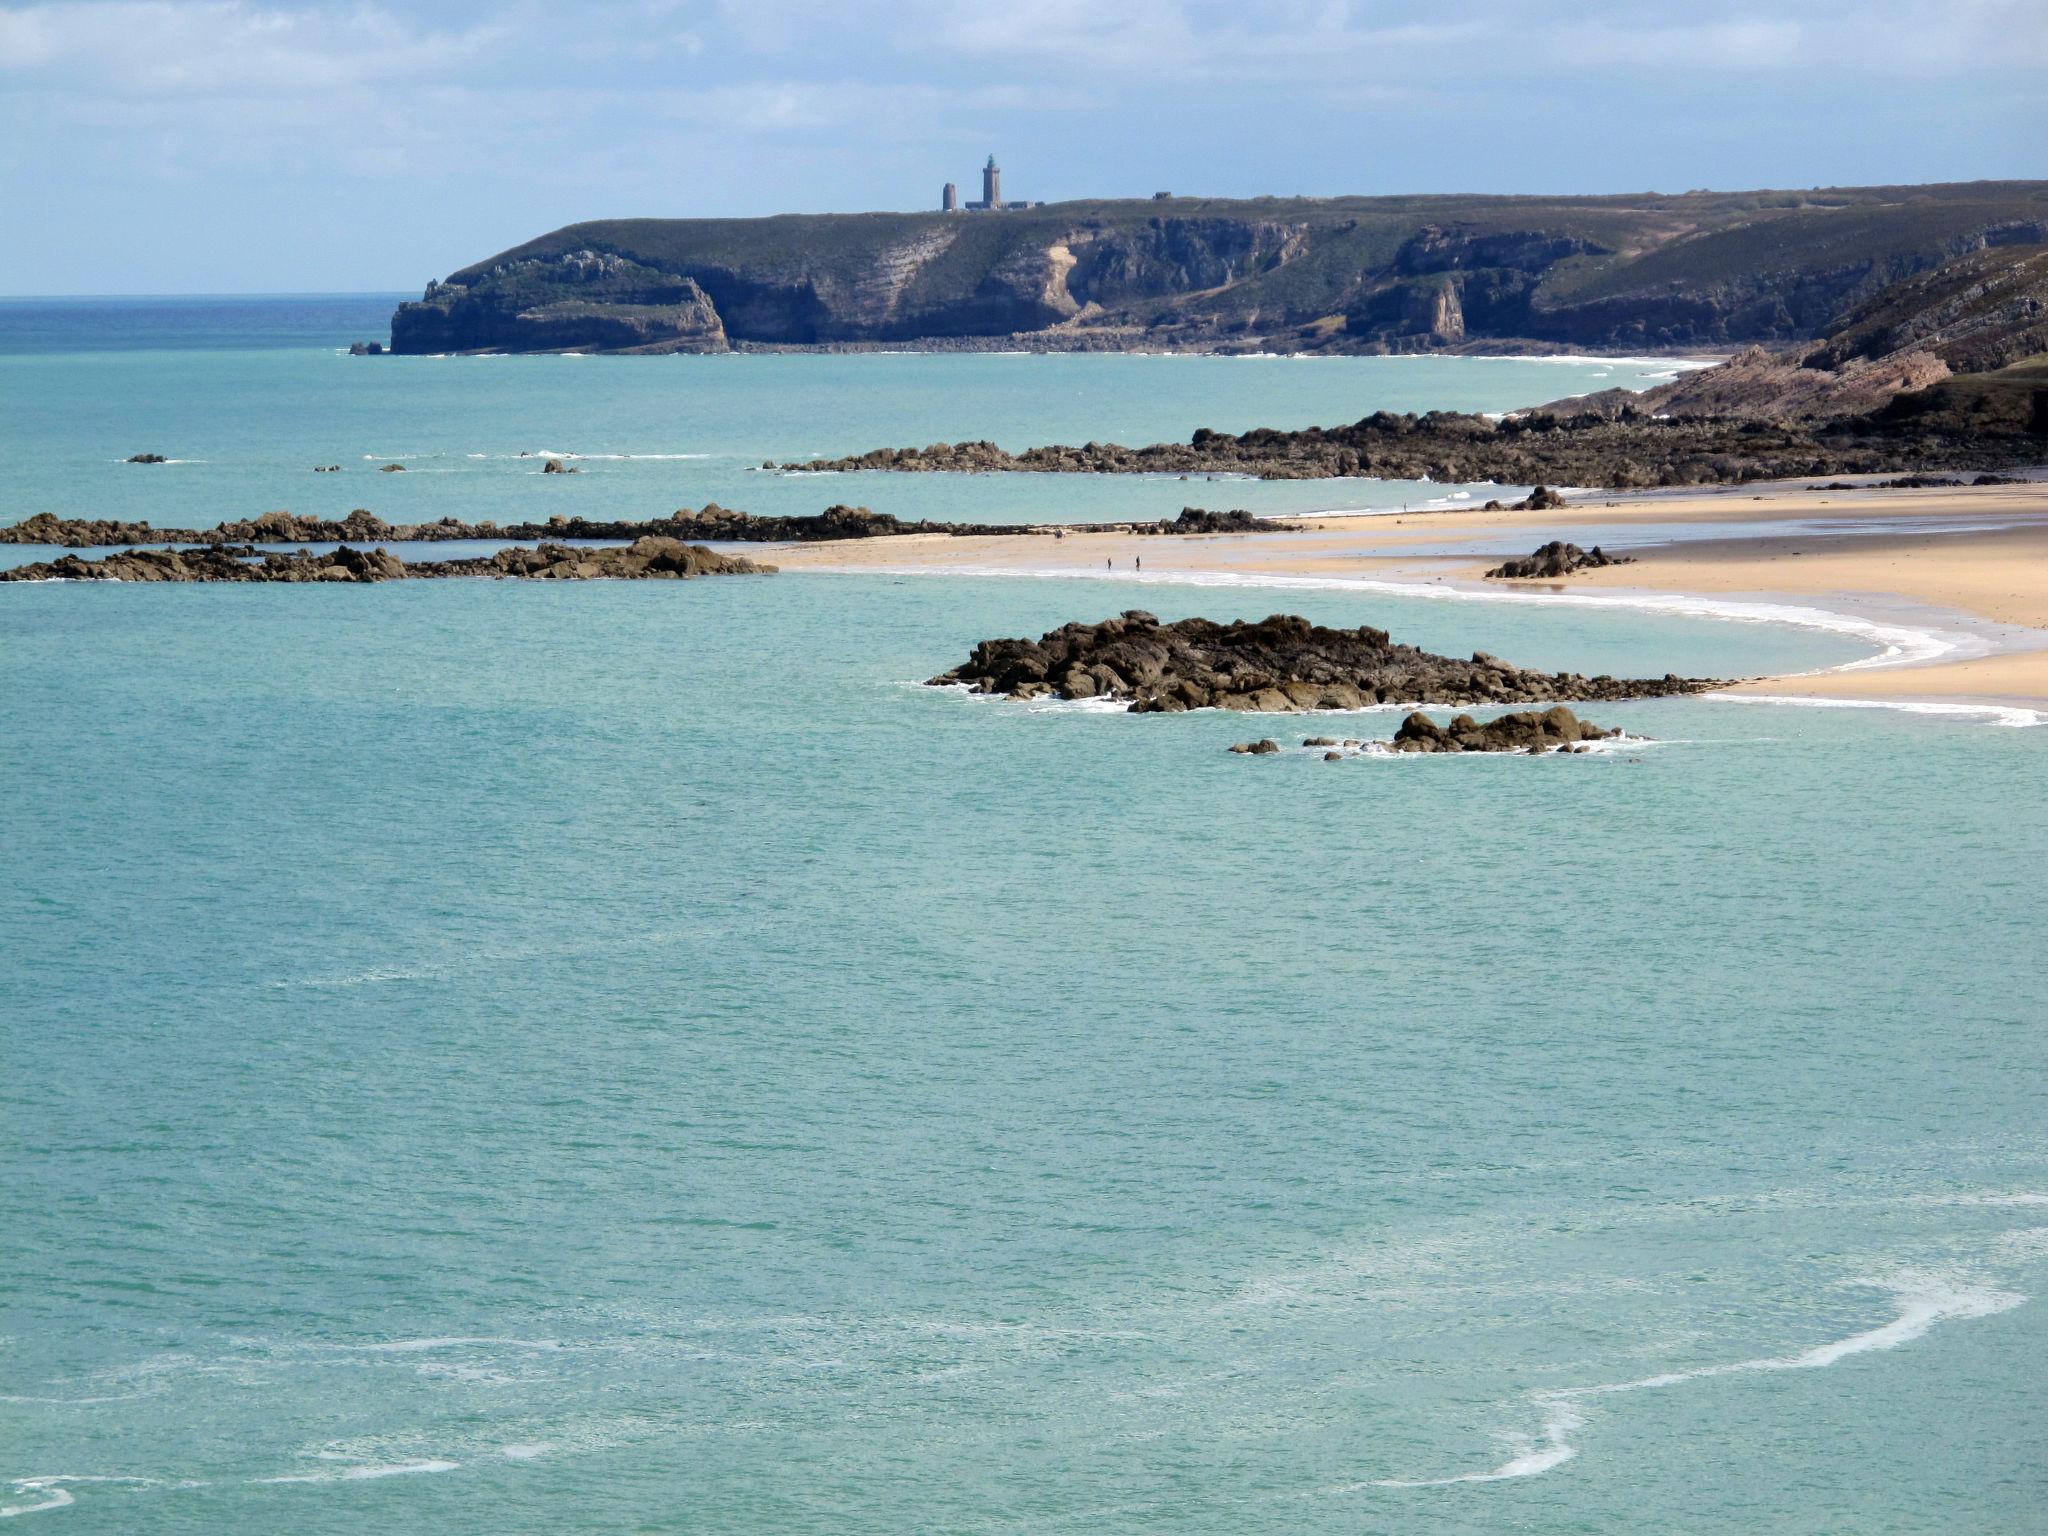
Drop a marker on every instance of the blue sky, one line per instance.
(236, 145)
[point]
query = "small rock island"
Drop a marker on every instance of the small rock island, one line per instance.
(1282, 663)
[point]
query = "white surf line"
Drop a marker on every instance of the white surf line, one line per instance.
(2015, 715)
(1922, 1301)
(1902, 645)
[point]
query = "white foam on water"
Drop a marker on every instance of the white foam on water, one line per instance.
(53, 1491)
(368, 1470)
(525, 1452)
(416, 1346)
(1922, 1301)
(2013, 715)
(1901, 645)
(553, 453)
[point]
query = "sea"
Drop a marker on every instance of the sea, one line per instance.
(629, 1057)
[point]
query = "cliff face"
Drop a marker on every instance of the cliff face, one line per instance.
(577, 301)
(1350, 274)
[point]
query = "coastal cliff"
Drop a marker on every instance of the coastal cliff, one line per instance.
(1326, 274)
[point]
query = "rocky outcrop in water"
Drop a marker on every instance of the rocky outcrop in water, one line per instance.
(1555, 729)
(1283, 663)
(147, 458)
(1557, 559)
(643, 560)
(713, 522)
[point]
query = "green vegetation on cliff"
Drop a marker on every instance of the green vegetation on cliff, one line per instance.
(1354, 274)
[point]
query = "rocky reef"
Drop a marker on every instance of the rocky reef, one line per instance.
(1283, 663)
(1631, 451)
(1556, 559)
(713, 522)
(644, 560)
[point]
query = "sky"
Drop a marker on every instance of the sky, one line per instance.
(225, 146)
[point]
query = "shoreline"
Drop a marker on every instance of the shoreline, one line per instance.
(1951, 587)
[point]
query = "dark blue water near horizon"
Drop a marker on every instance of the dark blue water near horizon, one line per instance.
(193, 322)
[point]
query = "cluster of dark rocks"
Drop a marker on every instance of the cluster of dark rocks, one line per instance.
(1919, 483)
(1629, 448)
(1202, 520)
(644, 559)
(1556, 559)
(1283, 663)
(1541, 499)
(557, 467)
(715, 523)
(1555, 729)
(147, 458)
(366, 349)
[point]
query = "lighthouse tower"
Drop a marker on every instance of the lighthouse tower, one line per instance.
(991, 184)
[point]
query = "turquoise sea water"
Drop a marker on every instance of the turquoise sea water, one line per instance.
(623, 1057)
(248, 397)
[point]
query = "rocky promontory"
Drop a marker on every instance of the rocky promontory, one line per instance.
(643, 560)
(1271, 274)
(1283, 663)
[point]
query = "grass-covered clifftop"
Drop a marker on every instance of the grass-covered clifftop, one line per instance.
(1349, 274)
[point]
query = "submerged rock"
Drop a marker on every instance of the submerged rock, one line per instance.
(1283, 663)
(1265, 748)
(1556, 559)
(147, 458)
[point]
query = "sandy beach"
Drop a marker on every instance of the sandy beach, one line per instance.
(1972, 560)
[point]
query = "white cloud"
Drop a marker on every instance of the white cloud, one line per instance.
(161, 48)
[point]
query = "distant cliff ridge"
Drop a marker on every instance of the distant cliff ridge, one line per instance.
(1699, 269)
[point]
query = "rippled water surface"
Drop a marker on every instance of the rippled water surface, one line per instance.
(246, 397)
(625, 1057)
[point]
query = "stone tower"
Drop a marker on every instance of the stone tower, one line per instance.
(992, 184)
(949, 200)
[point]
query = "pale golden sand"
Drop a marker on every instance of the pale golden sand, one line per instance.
(1996, 575)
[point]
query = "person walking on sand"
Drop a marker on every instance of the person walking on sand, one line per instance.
(1139, 561)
